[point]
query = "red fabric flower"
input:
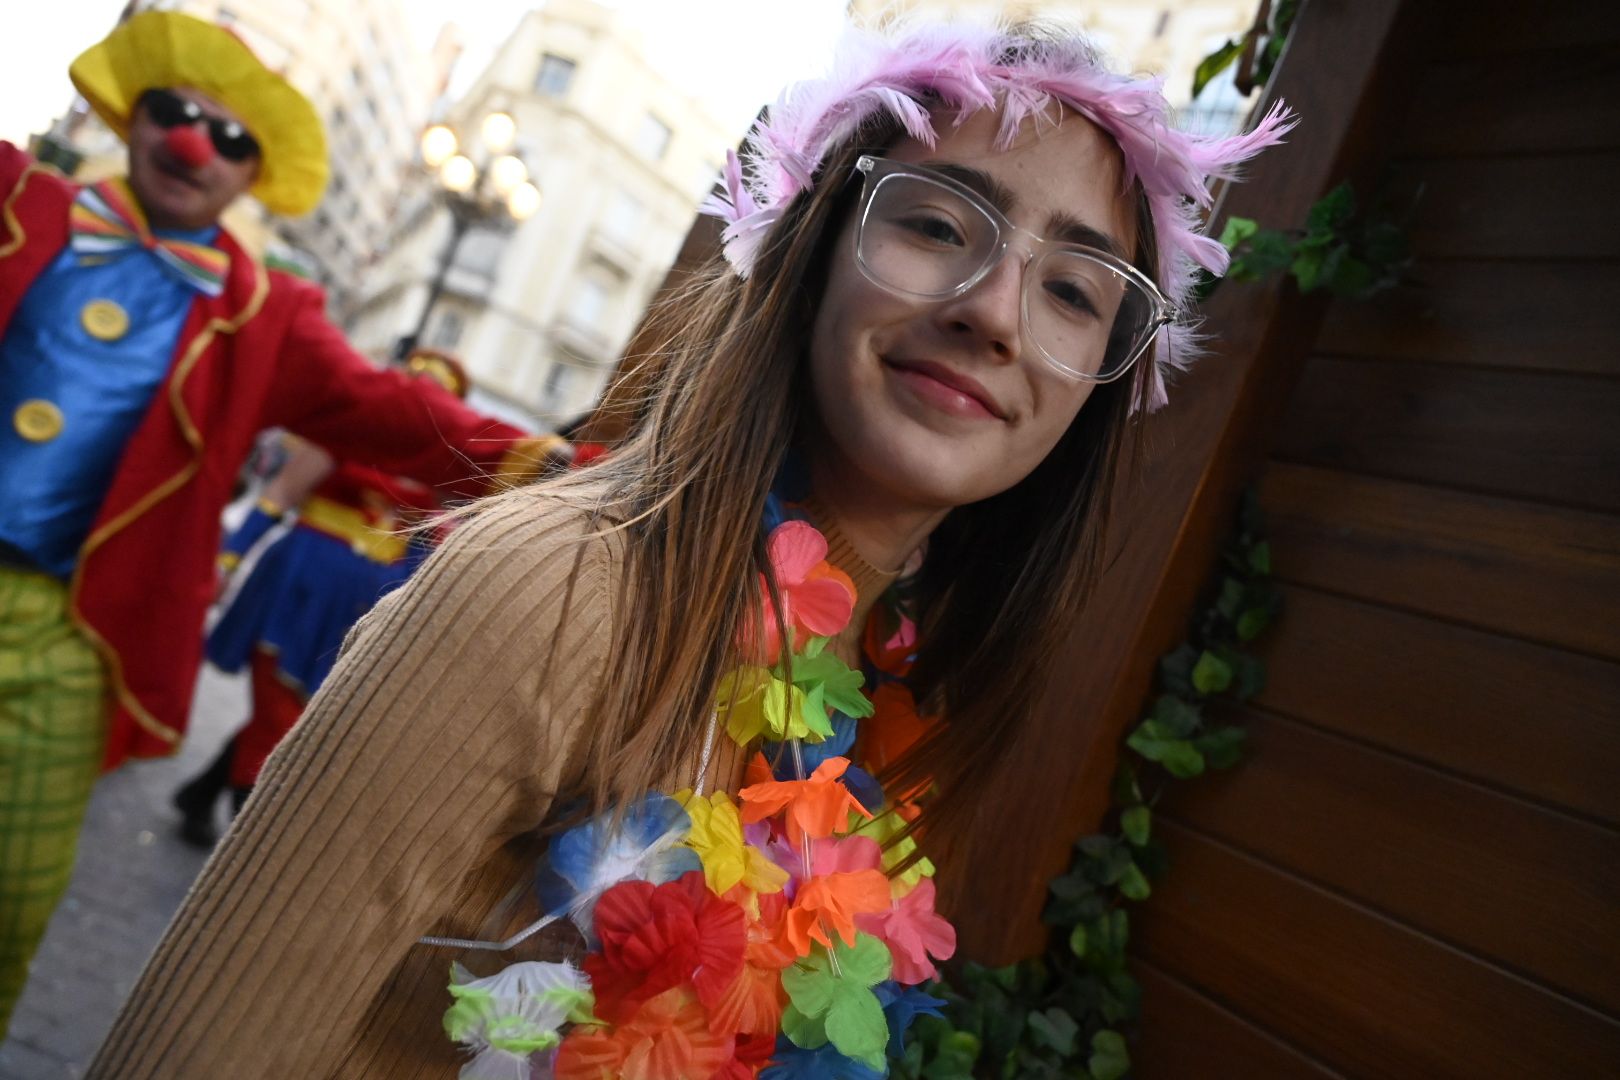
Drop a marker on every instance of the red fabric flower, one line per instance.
(817, 597)
(657, 937)
(753, 1054)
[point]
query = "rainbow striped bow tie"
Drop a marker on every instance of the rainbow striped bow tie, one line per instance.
(106, 220)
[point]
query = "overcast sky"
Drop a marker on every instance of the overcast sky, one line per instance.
(734, 53)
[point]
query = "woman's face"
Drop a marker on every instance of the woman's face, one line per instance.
(934, 405)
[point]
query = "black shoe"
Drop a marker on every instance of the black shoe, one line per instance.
(199, 832)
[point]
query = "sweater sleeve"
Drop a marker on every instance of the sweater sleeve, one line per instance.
(445, 731)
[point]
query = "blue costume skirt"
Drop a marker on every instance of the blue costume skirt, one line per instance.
(301, 598)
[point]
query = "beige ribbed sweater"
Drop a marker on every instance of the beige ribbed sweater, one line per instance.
(406, 802)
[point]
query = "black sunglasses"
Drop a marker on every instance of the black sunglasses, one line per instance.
(169, 110)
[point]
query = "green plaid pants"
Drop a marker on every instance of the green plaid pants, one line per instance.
(52, 727)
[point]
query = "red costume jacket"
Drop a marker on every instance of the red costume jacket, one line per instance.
(262, 354)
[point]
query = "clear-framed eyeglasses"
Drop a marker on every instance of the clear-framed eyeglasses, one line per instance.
(923, 235)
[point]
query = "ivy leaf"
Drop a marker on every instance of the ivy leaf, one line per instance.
(1252, 622)
(1223, 747)
(1175, 718)
(1109, 1058)
(1215, 63)
(1054, 1028)
(1175, 670)
(1334, 211)
(1182, 760)
(1077, 940)
(1260, 558)
(1211, 675)
(1136, 823)
(1133, 885)
(1237, 230)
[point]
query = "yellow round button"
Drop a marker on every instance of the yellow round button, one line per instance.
(37, 420)
(104, 320)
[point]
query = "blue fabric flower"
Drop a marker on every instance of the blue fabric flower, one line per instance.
(901, 1006)
(587, 859)
(839, 744)
(823, 1063)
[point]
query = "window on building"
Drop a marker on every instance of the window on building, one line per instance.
(556, 384)
(653, 138)
(588, 306)
(480, 251)
(447, 330)
(556, 73)
(623, 217)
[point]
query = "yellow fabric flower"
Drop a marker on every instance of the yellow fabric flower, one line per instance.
(717, 837)
(881, 828)
(754, 702)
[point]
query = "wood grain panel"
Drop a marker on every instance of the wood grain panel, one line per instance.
(1542, 207)
(1541, 573)
(1498, 28)
(1531, 436)
(1185, 1034)
(1351, 988)
(1541, 316)
(1568, 100)
(1446, 856)
(1524, 717)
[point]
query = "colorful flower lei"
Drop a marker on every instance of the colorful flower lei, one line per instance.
(731, 939)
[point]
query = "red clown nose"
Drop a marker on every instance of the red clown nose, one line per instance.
(190, 146)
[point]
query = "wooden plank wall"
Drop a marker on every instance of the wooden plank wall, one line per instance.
(1417, 872)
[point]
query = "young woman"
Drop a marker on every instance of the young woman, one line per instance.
(954, 272)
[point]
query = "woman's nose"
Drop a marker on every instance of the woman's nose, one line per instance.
(992, 310)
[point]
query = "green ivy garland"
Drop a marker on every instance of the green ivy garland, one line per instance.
(1064, 1014)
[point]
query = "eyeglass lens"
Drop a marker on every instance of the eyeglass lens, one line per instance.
(927, 240)
(169, 110)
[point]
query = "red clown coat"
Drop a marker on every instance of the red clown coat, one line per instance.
(262, 354)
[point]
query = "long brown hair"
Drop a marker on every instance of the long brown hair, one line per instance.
(1001, 577)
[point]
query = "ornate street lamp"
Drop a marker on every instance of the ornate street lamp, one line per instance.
(494, 190)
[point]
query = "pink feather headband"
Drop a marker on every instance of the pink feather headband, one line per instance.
(962, 67)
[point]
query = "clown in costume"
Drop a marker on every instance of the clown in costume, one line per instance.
(141, 350)
(636, 776)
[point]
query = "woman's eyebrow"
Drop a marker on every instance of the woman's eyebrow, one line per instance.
(1060, 226)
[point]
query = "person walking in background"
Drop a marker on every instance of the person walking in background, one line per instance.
(348, 546)
(142, 349)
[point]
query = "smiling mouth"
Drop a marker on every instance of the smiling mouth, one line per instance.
(176, 171)
(947, 390)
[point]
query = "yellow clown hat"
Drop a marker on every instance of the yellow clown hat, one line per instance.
(157, 50)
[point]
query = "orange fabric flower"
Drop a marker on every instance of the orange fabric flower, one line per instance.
(847, 884)
(668, 1038)
(817, 807)
(894, 728)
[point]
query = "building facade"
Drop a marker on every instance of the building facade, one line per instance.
(1167, 37)
(539, 310)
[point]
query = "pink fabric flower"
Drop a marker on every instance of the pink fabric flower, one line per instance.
(914, 932)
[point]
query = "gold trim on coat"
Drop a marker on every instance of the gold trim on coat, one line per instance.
(193, 353)
(8, 212)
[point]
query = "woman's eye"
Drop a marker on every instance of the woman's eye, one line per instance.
(933, 227)
(1072, 296)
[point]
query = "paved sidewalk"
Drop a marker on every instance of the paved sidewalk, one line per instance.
(131, 875)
